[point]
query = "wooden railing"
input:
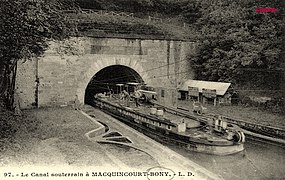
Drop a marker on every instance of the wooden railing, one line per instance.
(150, 18)
(102, 12)
(90, 12)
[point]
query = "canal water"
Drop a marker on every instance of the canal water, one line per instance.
(258, 161)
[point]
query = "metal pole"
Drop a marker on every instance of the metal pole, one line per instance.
(37, 83)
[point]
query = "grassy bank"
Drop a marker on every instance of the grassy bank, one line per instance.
(14, 133)
(26, 140)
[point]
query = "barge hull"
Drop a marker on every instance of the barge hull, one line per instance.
(165, 136)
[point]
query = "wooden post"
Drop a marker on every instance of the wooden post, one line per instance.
(204, 100)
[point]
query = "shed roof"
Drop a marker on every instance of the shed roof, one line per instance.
(133, 83)
(220, 87)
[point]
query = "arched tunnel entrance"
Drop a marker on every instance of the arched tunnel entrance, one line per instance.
(108, 78)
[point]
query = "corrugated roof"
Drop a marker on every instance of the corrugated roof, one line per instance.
(220, 87)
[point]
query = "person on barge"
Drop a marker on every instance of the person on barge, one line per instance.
(137, 96)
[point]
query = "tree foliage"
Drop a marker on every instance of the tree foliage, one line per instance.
(144, 7)
(238, 42)
(25, 27)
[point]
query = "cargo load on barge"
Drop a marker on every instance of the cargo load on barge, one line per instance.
(211, 136)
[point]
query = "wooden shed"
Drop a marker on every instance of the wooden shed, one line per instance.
(206, 91)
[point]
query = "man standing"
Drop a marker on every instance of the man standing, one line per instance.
(137, 95)
(126, 97)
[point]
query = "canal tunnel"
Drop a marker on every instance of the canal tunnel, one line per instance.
(109, 78)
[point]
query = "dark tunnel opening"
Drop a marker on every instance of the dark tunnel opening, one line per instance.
(107, 80)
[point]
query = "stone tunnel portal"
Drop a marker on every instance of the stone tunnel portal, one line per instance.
(108, 78)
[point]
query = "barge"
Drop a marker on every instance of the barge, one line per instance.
(211, 136)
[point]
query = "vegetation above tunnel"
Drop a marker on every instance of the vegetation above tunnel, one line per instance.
(143, 8)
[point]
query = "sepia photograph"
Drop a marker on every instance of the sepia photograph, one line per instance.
(142, 89)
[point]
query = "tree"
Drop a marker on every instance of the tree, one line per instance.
(25, 28)
(238, 42)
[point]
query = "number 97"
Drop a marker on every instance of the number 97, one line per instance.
(7, 174)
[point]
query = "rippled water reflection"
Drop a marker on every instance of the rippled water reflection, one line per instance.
(258, 161)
